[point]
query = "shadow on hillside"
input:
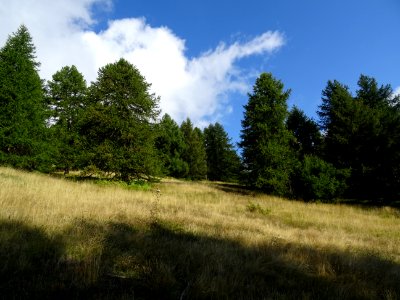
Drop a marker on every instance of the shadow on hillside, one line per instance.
(248, 191)
(77, 177)
(28, 259)
(235, 189)
(371, 203)
(162, 261)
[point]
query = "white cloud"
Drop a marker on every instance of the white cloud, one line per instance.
(397, 91)
(195, 88)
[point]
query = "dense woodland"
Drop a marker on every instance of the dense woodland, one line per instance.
(114, 127)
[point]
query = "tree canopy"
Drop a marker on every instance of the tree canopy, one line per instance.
(194, 153)
(66, 95)
(118, 127)
(113, 127)
(223, 163)
(22, 107)
(362, 134)
(171, 146)
(267, 157)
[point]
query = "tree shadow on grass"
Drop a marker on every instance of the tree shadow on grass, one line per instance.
(365, 203)
(362, 203)
(28, 259)
(173, 264)
(235, 189)
(163, 261)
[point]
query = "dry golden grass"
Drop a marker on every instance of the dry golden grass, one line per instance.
(198, 240)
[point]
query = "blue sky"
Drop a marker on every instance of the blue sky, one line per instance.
(214, 50)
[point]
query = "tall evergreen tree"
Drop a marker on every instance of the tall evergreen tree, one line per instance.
(267, 157)
(314, 178)
(339, 118)
(361, 134)
(195, 153)
(119, 127)
(22, 107)
(223, 163)
(66, 95)
(306, 132)
(376, 175)
(171, 146)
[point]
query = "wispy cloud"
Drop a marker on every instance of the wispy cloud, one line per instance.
(189, 87)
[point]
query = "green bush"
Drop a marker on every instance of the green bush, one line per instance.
(319, 180)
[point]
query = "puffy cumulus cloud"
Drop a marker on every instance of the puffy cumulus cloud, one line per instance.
(57, 28)
(197, 87)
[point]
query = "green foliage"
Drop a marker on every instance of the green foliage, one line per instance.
(118, 128)
(171, 146)
(307, 137)
(223, 163)
(22, 110)
(267, 157)
(376, 172)
(319, 180)
(362, 134)
(111, 129)
(194, 153)
(66, 95)
(341, 117)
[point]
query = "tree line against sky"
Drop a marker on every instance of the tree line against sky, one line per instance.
(114, 127)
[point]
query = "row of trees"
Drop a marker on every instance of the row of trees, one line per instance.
(113, 127)
(354, 151)
(188, 152)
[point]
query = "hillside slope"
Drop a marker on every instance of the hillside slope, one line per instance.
(183, 240)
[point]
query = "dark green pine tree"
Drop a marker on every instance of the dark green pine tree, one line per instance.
(307, 137)
(118, 128)
(171, 146)
(223, 163)
(22, 106)
(313, 178)
(195, 153)
(362, 134)
(378, 141)
(265, 141)
(66, 95)
(340, 118)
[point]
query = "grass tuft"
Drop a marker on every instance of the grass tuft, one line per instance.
(256, 208)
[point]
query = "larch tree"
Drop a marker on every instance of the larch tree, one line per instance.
(195, 153)
(22, 106)
(265, 140)
(119, 127)
(171, 146)
(362, 134)
(307, 136)
(66, 94)
(223, 163)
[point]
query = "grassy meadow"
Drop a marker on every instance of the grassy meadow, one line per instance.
(186, 240)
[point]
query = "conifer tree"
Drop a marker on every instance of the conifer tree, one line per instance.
(362, 134)
(223, 163)
(195, 153)
(171, 146)
(307, 137)
(118, 128)
(66, 95)
(267, 157)
(22, 107)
